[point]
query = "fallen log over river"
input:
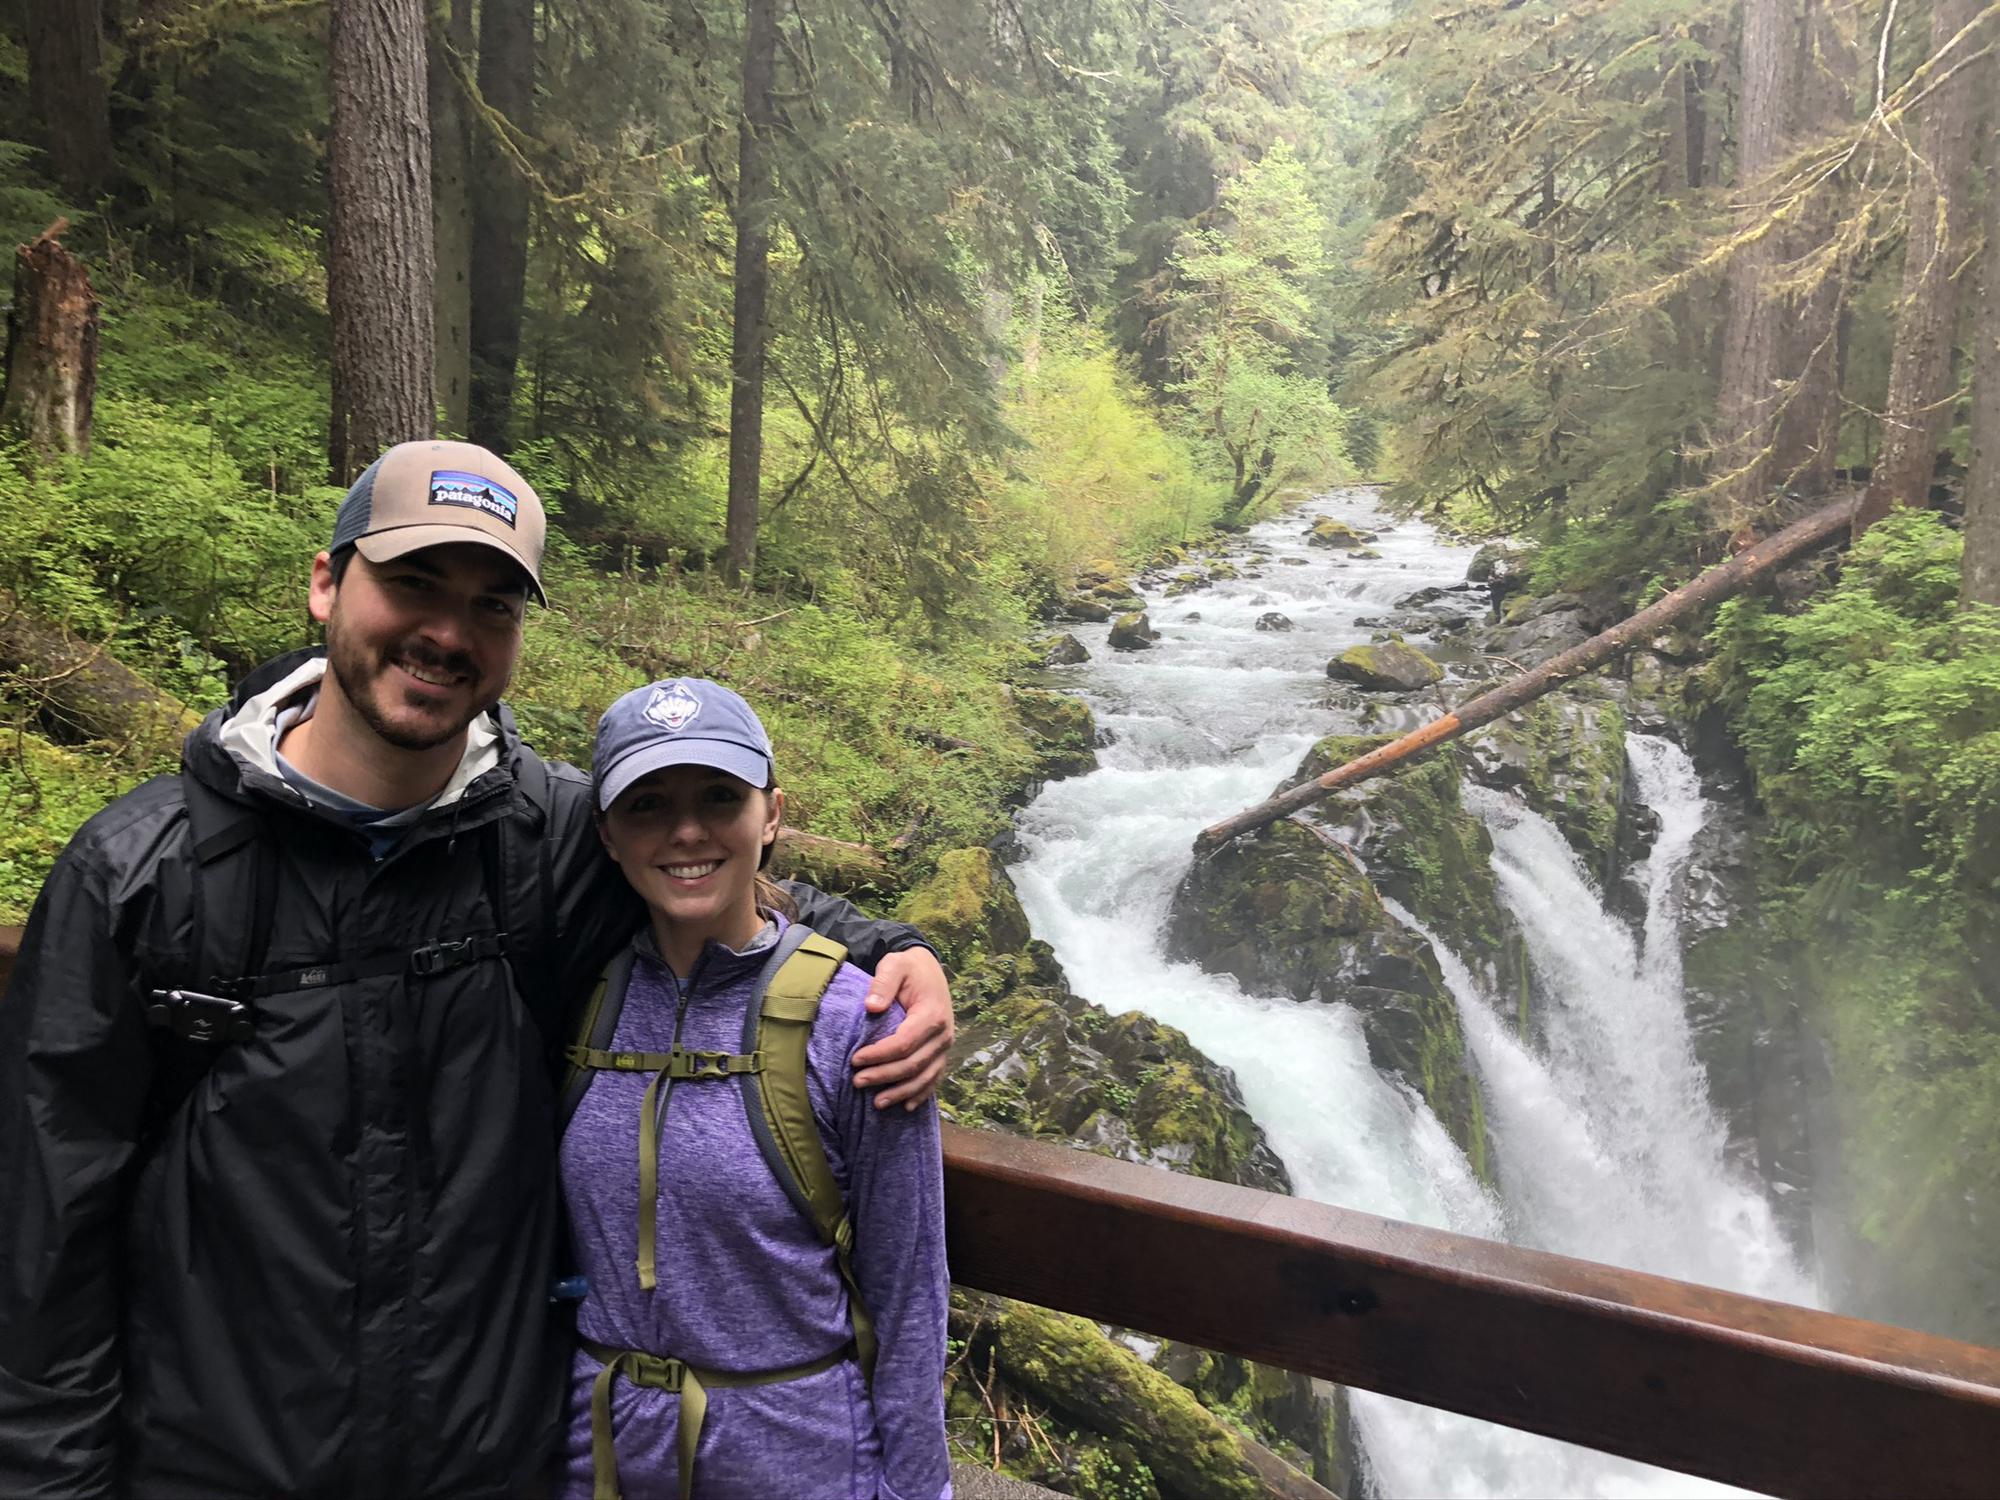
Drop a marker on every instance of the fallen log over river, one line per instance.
(1720, 582)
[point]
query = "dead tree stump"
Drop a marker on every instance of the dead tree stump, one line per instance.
(51, 383)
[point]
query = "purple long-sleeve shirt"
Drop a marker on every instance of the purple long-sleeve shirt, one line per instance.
(744, 1283)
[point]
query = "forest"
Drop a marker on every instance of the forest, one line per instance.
(857, 345)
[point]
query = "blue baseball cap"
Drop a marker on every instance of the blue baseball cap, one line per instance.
(682, 721)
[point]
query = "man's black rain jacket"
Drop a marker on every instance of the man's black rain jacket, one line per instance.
(327, 1273)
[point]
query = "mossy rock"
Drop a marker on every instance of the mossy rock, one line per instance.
(1221, 572)
(1082, 608)
(1423, 848)
(1133, 632)
(1565, 755)
(1327, 532)
(1113, 590)
(1035, 1059)
(1388, 666)
(1063, 650)
(1062, 730)
(1067, 1362)
(1286, 912)
(967, 908)
(1279, 1408)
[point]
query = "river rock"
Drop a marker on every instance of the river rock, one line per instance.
(1035, 1059)
(1061, 727)
(1186, 582)
(1327, 532)
(1288, 911)
(1133, 632)
(1063, 650)
(1077, 607)
(1565, 754)
(1496, 561)
(1391, 666)
(1274, 621)
(968, 908)
(1294, 562)
(1423, 847)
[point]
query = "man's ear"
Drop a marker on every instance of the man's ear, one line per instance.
(320, 597)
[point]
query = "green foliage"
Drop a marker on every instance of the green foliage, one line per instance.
(47, 792)
(1097, 471)
(1872, 717)
(1239, 324)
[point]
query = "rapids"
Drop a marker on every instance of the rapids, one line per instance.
(1605, 1142)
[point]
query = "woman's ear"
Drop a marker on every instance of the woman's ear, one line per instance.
(604, 836)
(774, 818)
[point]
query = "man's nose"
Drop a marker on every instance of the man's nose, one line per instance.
(449, 625)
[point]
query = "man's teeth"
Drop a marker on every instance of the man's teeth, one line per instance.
(692, 872)
(429, 674)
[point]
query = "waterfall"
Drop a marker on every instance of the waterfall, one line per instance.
(1605, 1144)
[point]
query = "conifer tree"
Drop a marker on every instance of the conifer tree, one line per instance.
(379, 260)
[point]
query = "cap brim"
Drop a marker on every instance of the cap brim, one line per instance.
(745, 765)
(401, 541)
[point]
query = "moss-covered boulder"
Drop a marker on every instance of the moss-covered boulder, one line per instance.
(1288, 911)
(1388, 666)
(1068, 1363)
(1063, 650)
(1080, 607)
(1133, 632)
(1565, 754)
(967, 908)
(1422, 847)
(1061, 729)
(1033, 1058)
(1327, 532)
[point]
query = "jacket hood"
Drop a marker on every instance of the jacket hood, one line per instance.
(233, 748)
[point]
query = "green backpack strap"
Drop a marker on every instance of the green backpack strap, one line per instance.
(600, 1024)
(780, 1109)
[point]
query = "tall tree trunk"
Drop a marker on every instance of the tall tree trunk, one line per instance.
(50, 388)
(500, 218)
(752, 288)
(1982, 480)
(451, 192)
(1809, 430)
(1753, 342)
(380, 261)
(1917, 410)
(67, 92)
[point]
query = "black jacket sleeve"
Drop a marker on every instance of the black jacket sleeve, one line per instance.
(75, 1064)
(868, 939)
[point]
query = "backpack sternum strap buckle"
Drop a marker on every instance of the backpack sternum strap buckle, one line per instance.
(699, 1065)
(437, 957)
(200, 1017)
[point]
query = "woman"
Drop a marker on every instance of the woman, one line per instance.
(720, 1349)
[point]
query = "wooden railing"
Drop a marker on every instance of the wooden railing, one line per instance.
(1753, 1393)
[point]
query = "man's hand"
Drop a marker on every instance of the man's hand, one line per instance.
(907, 1064)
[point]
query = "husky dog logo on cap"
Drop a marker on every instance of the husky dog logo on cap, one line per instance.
(673, 707)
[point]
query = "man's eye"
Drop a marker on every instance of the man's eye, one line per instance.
(501, 607)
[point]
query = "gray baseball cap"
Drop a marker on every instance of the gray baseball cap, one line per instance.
(425, 494)
(682, 721)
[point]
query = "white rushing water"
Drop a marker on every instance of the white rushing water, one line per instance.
(1605, 1144)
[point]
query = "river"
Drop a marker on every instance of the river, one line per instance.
(1605, 1142)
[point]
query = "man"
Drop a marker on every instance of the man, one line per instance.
(276, 1150)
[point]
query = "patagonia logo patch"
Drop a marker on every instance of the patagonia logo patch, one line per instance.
(450, 487)
(673, 707)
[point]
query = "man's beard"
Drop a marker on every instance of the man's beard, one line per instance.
(361, 677)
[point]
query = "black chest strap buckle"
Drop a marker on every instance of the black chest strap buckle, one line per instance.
(200, 1017)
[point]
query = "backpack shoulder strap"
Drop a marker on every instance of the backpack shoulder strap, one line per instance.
(520, 879)
(778, 1029)
(232, 897)
(599, 1026)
